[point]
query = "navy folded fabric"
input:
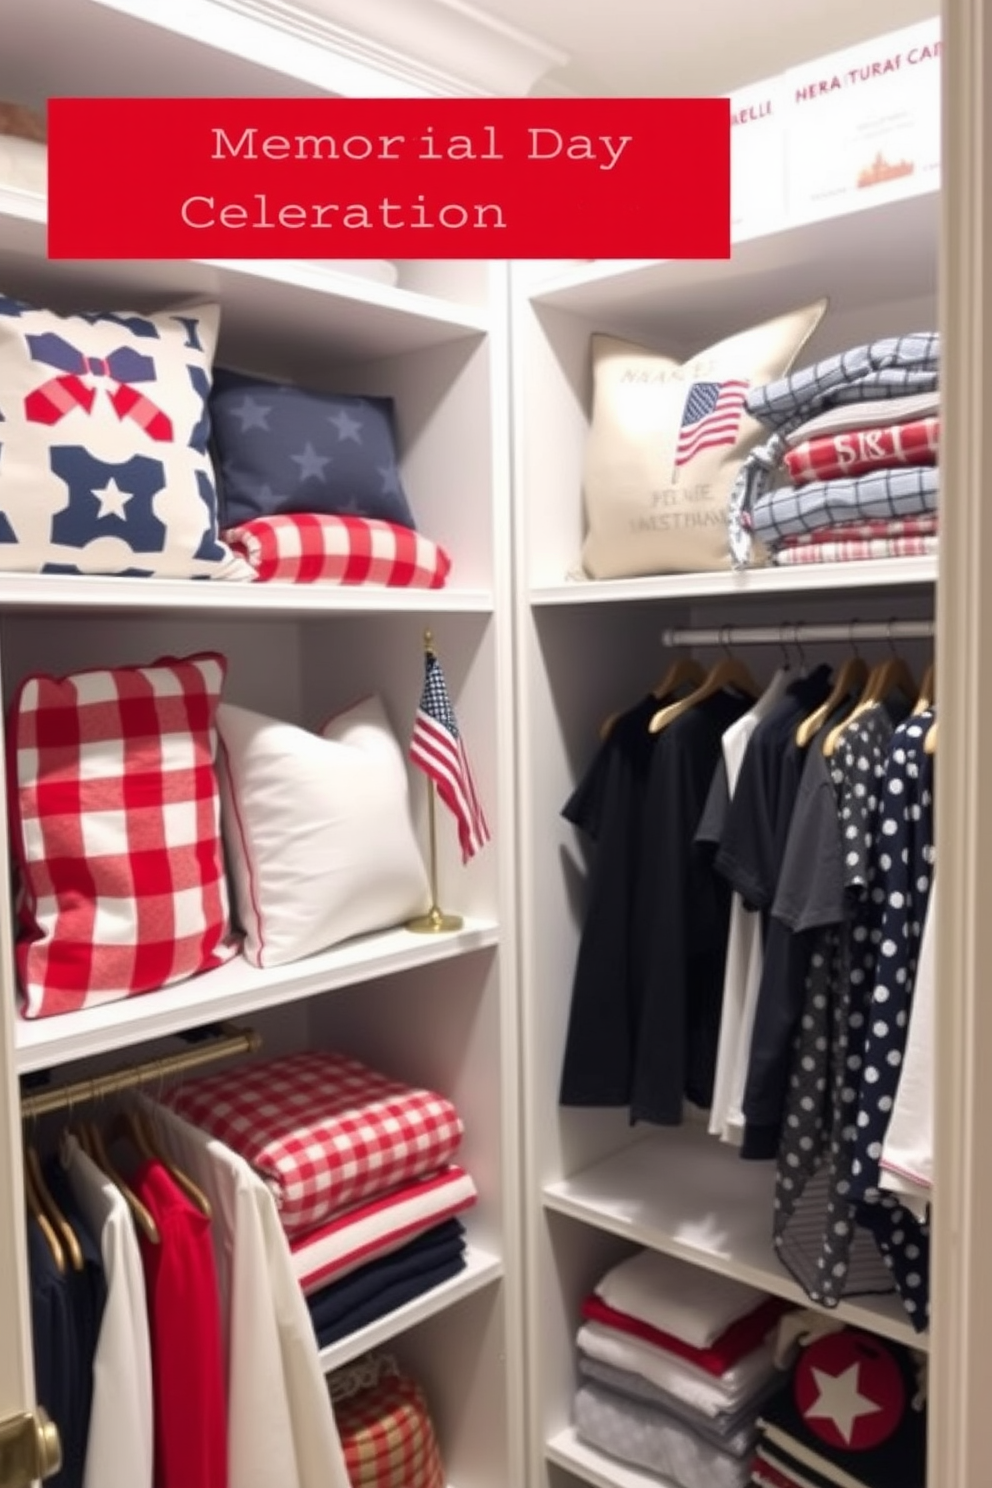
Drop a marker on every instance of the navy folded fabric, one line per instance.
(369, 1293)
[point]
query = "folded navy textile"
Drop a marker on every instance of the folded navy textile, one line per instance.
(384, 1284)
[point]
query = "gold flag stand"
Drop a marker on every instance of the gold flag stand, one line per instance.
(435, 921)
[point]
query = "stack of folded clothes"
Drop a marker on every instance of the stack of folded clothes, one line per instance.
(850, 1414)
(362, 1170)
(850, 470)
(676, 1365)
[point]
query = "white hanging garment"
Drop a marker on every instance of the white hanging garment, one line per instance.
(120, 1445)
(907, 1153)
(281, 1427)
(742, 975)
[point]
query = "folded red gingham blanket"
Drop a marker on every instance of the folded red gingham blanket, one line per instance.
(851, 550)
(857, 451)
(871, 530)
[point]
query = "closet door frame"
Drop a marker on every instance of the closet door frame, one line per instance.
(16, 1359)
(960, 1371)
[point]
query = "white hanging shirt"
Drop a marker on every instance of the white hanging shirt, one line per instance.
(120, 1445)
(907, 1153)
(281, 1427)
(742, 973)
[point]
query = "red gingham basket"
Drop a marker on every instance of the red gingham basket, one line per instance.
(324, 1131)
(385, 1428)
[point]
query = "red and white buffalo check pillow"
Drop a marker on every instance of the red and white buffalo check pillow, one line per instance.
(115, 818)
(323, 1130)
(307, 549)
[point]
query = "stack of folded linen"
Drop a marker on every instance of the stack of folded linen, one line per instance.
(362, 1171)
(675, 1366)
(856, 438)
(850, 1414)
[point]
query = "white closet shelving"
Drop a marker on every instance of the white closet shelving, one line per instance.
(596, 1189)
(433, 1010)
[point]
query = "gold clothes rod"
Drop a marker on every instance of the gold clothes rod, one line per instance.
(233, 1041)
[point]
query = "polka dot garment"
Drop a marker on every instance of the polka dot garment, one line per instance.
(815, 1230)
(905, 861)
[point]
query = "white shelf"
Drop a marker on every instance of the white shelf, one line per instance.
(233, 991)
(568, 1451)
(686, 1194)
(95, 594)
(290, 308)
(481, 1270)
(881, 253)
(887, 573)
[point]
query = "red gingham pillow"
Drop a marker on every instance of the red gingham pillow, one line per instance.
(115, 819)
(339, 550)
(323, 1130)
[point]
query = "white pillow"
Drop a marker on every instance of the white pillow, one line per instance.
(318, 832)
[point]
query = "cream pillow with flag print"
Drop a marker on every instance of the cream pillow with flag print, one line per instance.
(666, 441)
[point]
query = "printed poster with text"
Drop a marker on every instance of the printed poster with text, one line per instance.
(863, 125)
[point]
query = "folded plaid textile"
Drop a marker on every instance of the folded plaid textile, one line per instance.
(925, 525)
(855, 452)
(883, 369)
(883, 493)
(853, 551)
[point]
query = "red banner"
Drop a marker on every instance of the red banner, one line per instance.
(361, 178)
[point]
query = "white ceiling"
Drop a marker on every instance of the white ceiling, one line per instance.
(690, 47)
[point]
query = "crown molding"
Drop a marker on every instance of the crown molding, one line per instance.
(351, 48)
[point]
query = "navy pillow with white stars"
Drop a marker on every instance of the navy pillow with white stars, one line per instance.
(281, 449)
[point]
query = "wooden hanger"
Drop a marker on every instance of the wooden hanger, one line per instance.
(729, 672)
(93, 1144)
(37, 1212)
(684, 671)
(930, 742)
(851, 678)
(143, 1134)
(63, 1229)
(888, 676)
(928, 692)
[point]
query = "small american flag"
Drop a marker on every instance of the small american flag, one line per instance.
(438, 749)
(711, 417)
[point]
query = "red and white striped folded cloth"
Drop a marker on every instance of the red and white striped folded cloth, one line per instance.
(858, 451)
(379, 1227)
(871, 529)
(309, 548)
(858, 551)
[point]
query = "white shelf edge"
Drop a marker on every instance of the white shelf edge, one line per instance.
(235, 990)
(803, 578)
(31, 208)
(481, 1270)
(582, 276)
(92, 592)
(877, 1319)
(316, 279)
(567, 1450)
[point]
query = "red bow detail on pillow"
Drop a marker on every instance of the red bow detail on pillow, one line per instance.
(52, 400)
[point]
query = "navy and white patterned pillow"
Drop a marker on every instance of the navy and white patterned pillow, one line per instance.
(282, 449)
(104, 444)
